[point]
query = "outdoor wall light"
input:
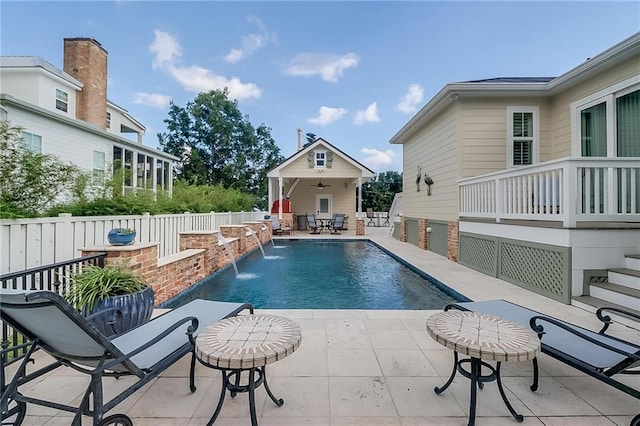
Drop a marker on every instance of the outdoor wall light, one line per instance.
(429, 182)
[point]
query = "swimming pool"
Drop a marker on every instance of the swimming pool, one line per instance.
(322, 274)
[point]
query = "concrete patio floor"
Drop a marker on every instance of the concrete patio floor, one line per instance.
(366, 367)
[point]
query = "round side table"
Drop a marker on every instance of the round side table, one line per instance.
(482, 337)
(246, 343)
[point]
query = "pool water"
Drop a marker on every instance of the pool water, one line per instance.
(302, 274)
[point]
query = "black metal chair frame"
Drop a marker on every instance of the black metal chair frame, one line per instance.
(371, 216)
(595, 340)
(111, 363)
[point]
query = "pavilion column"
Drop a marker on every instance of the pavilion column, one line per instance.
(359, 197)
(280, 193)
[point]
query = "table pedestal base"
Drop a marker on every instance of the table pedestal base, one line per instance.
(236, 388)
(477, 381)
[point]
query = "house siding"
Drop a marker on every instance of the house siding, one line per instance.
(434, 149)
(63, 141)
(37, 88)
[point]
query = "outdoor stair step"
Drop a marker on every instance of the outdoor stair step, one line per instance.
(625, 277)
(622, 295)
(632, 261)
(592, 304)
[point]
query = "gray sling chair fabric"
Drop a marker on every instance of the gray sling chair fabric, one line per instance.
(594, 353)
(52, 324)
(337, 224)
(277, 226)
(312, 224)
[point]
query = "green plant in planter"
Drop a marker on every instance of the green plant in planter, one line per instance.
(94, 289)
(94, 283)
(123, 231)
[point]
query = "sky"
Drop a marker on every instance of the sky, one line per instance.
(351, 72)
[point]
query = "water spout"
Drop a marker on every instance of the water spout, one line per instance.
(224, 242)
(255, 237)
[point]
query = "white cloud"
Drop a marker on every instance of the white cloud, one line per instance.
(251, 42)
(410, 101)
(368, 115)
(328, 66)
(155, 100)
(327, 115)
(377, 159)
(194, 78)
(165, 48)
(197, 79)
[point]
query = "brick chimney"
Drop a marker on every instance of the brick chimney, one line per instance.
(86, 60)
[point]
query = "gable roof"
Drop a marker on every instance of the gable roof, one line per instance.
(520, 86)
(274, 172)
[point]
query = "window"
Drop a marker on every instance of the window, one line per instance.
(32, 142)
(320, 159)
(522, 136)
(108, 120)
(62, 100)
(607, 123)
(98, 168)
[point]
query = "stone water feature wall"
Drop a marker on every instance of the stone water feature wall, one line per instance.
(201, 254)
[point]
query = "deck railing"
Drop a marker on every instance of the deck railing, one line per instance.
(569, 190)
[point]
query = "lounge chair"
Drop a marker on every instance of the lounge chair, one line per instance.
(312, 224)
(371, 217)
(595, 353)
(278, 229)
(51, 324)
(337, 223)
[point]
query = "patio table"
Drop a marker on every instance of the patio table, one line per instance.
(482, 337)
(246, 343)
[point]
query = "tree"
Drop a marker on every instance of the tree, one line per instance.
(31, 182)
(378, 193)
(217, 145)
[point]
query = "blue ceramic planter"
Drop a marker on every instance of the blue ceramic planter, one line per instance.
(117, 239)
(135, 309)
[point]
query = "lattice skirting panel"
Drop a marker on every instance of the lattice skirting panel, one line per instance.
(479, 252)
(412, 231)
(438, 237)
(542, 268)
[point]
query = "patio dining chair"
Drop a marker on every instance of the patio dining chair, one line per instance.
(312, 224)
(278, 229)
(597, 354)
(371, 217)
(51, 324)
(337, 223)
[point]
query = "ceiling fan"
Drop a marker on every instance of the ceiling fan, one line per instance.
(320, 185)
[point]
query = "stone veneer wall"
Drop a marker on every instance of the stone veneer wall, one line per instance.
(201, 254)
(360, 226)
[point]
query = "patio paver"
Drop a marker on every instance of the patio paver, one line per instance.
(393, 385)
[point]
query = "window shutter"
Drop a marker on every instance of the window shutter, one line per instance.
(311, 159)
(329, 159)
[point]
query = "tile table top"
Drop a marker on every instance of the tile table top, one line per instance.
(247, 341)
(483, 336)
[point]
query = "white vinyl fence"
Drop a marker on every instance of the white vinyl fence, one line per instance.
(29, 243)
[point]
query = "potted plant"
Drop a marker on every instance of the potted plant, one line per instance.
(121, 236)
(94, 289)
